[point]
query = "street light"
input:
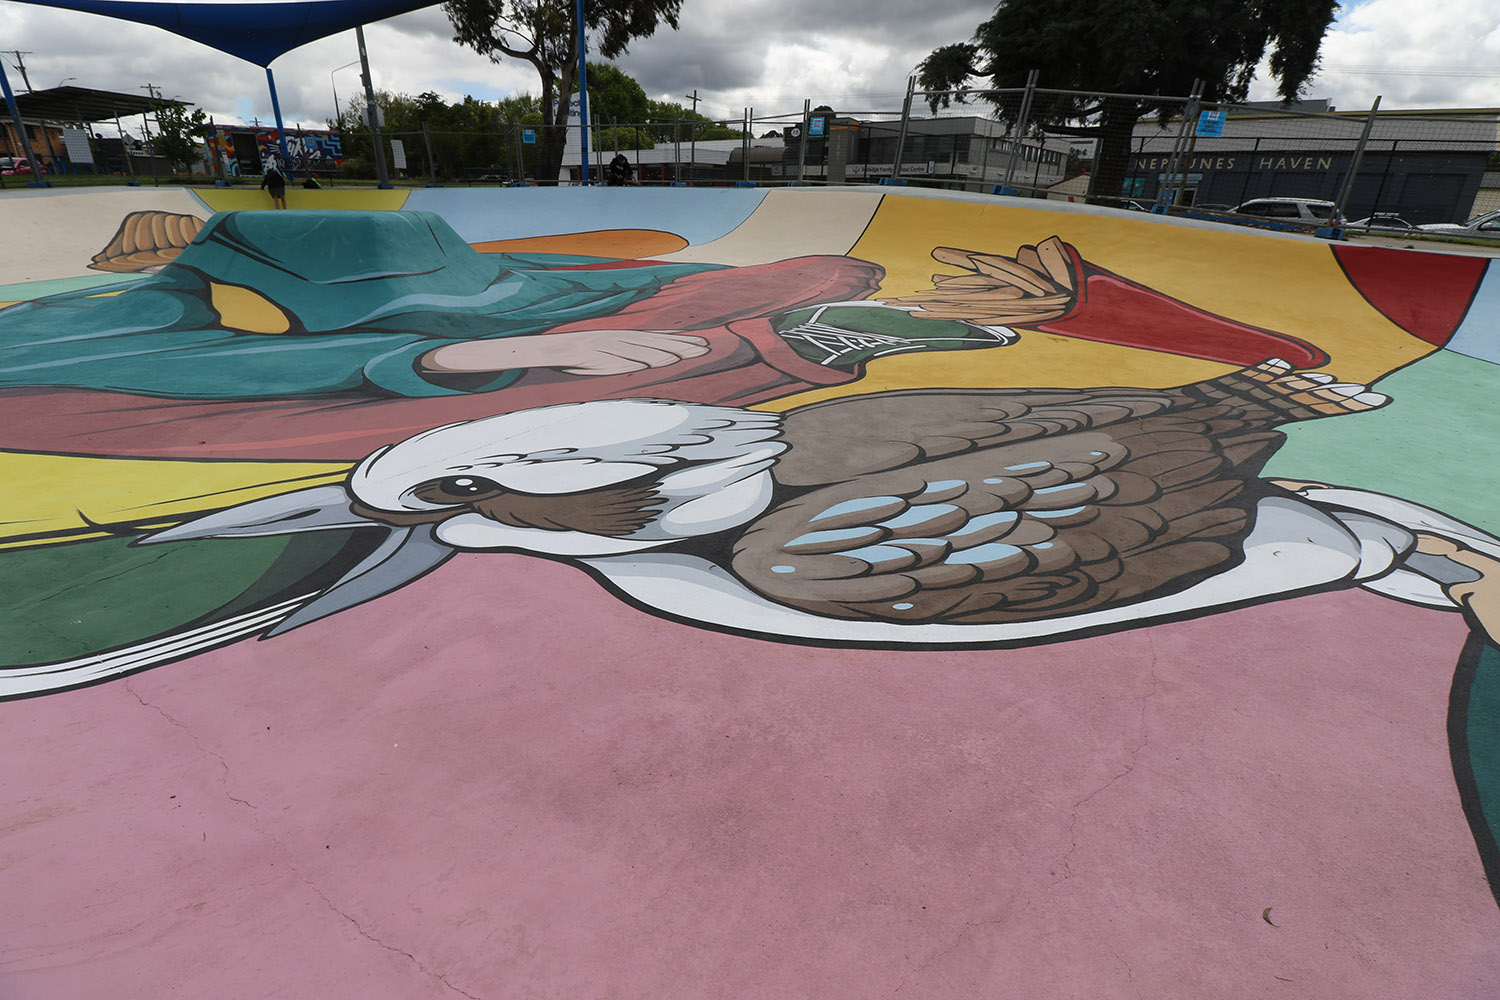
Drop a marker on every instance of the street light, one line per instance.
(336, 89)
(66, 79)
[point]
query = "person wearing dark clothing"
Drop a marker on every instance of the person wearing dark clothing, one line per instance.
(620, 171)
(311, 183)
(274, 181)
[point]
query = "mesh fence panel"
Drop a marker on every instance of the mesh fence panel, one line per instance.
(1165, 153)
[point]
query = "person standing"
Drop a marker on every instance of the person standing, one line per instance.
(274, 181)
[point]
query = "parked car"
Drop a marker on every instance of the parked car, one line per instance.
(10, 165)
(1381, 223)
(1307, 211)
(1483, 227)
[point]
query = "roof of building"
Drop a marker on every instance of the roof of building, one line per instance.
(82, 104)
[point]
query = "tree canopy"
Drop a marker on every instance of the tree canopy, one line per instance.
(1129, 47)
(179, 138)
(544, 33)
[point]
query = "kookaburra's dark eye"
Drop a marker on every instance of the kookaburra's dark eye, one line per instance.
(457, 489)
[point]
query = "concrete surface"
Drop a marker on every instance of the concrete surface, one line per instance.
(506, 779)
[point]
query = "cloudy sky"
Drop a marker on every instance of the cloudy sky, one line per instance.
(769, 54)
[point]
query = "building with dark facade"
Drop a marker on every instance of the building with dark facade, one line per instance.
(1424, 166)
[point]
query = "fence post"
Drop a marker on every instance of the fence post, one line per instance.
(911, 88)
(1359, 155)
(1020, 129)
(802, 145)
(1190, 143)
(431, 163)
(745, 145)
(677, 144)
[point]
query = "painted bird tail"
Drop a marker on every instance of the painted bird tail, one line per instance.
(1274, 386)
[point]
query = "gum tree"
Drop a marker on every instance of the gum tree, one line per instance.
(544, 33)
(1129, 47)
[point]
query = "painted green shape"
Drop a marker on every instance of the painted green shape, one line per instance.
(64, 601)
(1437, 442)
(28, 290)
(1483, 727)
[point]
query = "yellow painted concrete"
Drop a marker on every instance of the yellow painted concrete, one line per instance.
(73, 497)
(1223, 272)
(353, 199)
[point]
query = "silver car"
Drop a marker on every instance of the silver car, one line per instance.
(1483, 227)
(1307, 211)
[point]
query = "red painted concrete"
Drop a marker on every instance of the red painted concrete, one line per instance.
(641, 809)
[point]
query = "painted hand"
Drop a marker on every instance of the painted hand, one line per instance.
(1036, 285)
(584, 352)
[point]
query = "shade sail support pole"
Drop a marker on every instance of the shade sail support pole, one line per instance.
(280, 126)
(15, 116)
(372, 113)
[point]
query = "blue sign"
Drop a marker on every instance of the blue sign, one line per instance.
(1211, 123)
(528, 135)
(815, 125)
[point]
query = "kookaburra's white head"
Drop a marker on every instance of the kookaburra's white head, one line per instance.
(581, 479)
(584, 479)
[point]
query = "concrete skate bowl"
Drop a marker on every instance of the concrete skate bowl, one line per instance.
(584, 593)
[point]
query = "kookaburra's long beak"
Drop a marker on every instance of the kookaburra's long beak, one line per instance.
(407, 552)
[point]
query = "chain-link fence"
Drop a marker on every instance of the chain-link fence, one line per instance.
(1296, 167)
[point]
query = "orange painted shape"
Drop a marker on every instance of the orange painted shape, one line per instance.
(618, 243)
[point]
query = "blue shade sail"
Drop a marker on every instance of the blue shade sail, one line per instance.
(257, 32)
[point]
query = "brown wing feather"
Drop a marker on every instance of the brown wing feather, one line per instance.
(1039, 528)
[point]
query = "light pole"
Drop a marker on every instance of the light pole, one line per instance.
(335, 87)
(65, 80)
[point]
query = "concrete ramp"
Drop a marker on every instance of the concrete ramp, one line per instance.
(698, 593)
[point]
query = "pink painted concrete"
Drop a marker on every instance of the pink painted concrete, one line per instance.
(547, 794)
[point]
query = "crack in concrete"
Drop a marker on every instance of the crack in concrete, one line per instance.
(1130, 763)
(282, 850)
(360, 929)
(936, 956)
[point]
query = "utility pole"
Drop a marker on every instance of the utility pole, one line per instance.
(693, 141)
(21, 65)
(149, 88)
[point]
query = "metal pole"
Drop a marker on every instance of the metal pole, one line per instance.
(276, 110)
(431, 163)
(15, 116)
(1190, 127)
(911, 87)
(383, 176)
(745, 148)
(802, 144)
(150, 155)
(1249, 170)
(583, 93)
(677, 144)
(1020, 129)
(1359, 155)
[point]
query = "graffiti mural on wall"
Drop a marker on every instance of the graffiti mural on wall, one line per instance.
(245, 150)
(364, 395)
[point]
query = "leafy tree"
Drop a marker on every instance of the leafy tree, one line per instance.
(544, 33)
(179, 133)
(669, 120)
(615, 96)
(1114, 47)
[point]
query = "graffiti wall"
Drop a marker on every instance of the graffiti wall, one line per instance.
(1122, 589)
(246, 151)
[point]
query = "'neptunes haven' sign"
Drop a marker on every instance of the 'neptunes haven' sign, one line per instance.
(1241, 161)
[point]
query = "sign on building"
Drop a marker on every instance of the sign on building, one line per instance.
(1211, 123)
(816, 125)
